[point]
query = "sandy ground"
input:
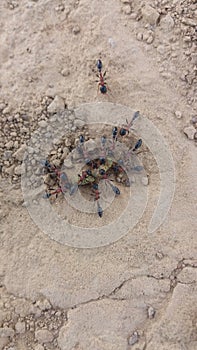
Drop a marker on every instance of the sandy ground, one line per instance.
(137, 293)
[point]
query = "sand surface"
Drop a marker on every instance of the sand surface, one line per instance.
(140, 291)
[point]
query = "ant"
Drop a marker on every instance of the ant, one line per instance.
(103, 154)
(63, 184)
(101, 82)
(84, 175)
(82, 151)
(104, 175)
(96, 198)
(114, 133)
(137, 145)
(125, 129)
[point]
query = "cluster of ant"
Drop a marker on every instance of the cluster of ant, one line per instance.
(102, 167)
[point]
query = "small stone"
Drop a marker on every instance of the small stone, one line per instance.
(56, 105)
(167, 23)
(190, 132)
(145, 36)
(150, 15)
(10, 170)
(65, 152)
(9, 144)
(133, 338)
(44, 336)
(125, 1)
(19, 154)
(43, 124)
(67, 142)
(39, 347)
(18, 170)
(2, 106)
(166, 75)
(3, 342)
(161, 49)
(194, 119)
(189, 22)
(20, 327)
(78, 123)
(144, 180)
(76, 30)
(6, 332)
(91, 146)
(151, 312)
(127, 9)
(111, 42)
(150, 39)
(139, 36)
(7, 110)
(7, 155)
(159, 255)
(44, 304)
(178, 114)
(65, 72)
(68, 164)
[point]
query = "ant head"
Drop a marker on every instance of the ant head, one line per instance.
(88, 162)
(102, 172)
(102, 160)
(81, 138)
(123, 132)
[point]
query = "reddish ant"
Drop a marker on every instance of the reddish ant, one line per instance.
(101, 82)
(125, 129)
(96, 198)
(104, 175)
(84, 176)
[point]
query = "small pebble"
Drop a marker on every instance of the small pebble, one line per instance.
(76, 30)
(56, 105)
(178, 114)
(151, 312)
(43, 336)
(139, 36)
(150, 15)
(6, 332)
(78, 123)
(112, 43)
(159, 255)
(194, 120)
(145, 180)
(20, 327)
(134, 338)
(68, 164)
(189, 131)
(150, 39)
(18, 170)
(43, 124)
(9, 144)
(65, 72)
(39, 347)
(127, 9)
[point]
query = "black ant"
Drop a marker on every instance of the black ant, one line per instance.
(114, 133)
(96, 198)
(101, 82)
(125, 129)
